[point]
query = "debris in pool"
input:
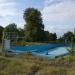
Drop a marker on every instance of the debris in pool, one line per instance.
(47, 53)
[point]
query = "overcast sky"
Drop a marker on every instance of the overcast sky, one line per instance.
(58, 15)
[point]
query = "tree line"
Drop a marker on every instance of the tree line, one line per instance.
(33, 30)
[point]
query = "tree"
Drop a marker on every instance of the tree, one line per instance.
(34, 28)
(21, 32)
(1, 32)
(68, 36)
(60, 39)
(47, 36)
(50, 36)
(71, 50)
(11, 30)
(54, 37)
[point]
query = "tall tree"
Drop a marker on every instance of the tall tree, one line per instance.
(34, 28)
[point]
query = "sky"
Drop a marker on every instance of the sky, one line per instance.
(58, 15)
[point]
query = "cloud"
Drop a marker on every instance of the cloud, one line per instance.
(51, 2)
(7, 12)
(7, 8)
(59, 15)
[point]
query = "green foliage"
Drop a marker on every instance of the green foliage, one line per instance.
(69, 58)
(68, 36)
(11, 28)
(1, 32)
(34, 28)
(71, 51)
(11, 31)
(61, 40)
(21, 32)
(50, 36)
(21, 35)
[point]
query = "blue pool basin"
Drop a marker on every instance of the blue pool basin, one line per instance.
(48, 50)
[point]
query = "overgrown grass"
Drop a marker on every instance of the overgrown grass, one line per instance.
(28, 64)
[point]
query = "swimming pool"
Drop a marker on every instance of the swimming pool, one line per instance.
(48, 50)
(53, 53)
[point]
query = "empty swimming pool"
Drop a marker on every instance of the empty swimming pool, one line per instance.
(48, 50)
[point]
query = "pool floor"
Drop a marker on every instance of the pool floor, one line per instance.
(49, 50)
(52, 53)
